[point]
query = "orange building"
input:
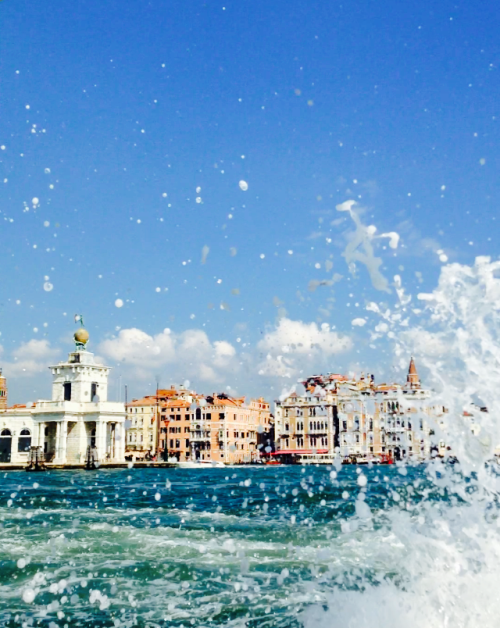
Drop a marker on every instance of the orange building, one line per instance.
(225, 429)
(159, 424)
(177, 423)
(175, 430)
(3, 393)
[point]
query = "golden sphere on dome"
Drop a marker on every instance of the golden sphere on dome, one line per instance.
(81, 336)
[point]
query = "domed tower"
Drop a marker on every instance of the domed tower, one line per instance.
(80, 378)
(3, 393)
(412, 379)
(79, 418)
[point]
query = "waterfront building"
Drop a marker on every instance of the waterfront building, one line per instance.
(181, 424)
(3, 392)
(225, 429)
(78, 419)
(337, 416)
(159, 425)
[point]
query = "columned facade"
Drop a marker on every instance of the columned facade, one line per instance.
(78, 420)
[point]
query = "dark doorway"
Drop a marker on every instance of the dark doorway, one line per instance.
(5, 445)
(336, 428)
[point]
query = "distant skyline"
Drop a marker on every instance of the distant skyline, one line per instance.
(126, 131)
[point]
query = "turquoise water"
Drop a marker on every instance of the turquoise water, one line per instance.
(248, 546)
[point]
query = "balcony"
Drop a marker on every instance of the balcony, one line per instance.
(197, 437)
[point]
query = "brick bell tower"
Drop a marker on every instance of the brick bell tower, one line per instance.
(3, 393)
(412, 379)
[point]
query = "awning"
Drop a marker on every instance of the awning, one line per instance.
(301, 452)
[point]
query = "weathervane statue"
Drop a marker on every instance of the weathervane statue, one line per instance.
(81, 335)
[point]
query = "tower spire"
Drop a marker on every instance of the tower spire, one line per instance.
(412, 379)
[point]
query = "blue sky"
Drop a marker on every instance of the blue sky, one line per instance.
(107, 107)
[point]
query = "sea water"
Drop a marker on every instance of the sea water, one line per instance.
(241, 546)
(413, 546)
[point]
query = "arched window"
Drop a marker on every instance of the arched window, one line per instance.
(198, 414)
(24, 441)
(5, 432)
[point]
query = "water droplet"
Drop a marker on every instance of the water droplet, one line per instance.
(29, 596)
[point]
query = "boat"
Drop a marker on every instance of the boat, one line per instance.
(36, 460)
(199, 464)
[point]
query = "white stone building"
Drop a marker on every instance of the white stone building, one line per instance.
(355, 419)
(77, 417)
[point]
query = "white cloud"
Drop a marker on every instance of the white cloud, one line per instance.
(294, 345)
(189, 354)
(358, 322)
(30, 358)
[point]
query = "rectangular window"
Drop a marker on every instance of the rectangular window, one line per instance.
(67, 391)
(177, 444)
(221, 416)
(209, 416)
(171, 443)
(93, 390)
(187, 443)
